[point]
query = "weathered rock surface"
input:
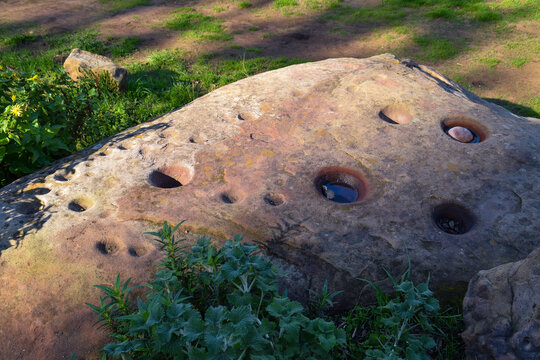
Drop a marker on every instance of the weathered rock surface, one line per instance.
(277, 157)
(501, 311)
(80, 61)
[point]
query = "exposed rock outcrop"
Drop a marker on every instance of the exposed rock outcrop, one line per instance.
(339, 168)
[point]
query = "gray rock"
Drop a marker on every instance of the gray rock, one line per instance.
(501, 311)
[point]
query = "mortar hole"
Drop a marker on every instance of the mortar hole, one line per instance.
(274, 199)
(30, 206)
(396, 114)
(229, 197)
(453, 218)
(80, 204)
(161, 180)
(138, 251)
(341, 185)
(464, 129)
(168, 177)
(38, 191)
(107, 247)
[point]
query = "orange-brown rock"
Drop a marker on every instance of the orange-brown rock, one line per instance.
(339, 169)
(80, 62)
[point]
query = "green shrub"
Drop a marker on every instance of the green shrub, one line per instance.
(404, 327)
(41, 118)
(211, 303)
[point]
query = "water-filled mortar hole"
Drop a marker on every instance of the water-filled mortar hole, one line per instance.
(169, 177)
(396, 114)
(453, 218)
(107, 247)
(464, 129)
(341, 185)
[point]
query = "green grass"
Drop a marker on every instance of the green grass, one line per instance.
(117, 5)
(126, 46)
(253, 28)
(18, 39)
(434, 49)
(282, 3)
(519, 61)
(440, 12)
(490, 61)
(245, 4)
(193, 24)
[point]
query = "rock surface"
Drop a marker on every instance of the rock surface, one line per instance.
(501, 311)
(254, 157)
(80, 61)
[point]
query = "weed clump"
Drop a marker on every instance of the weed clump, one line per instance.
(224, 303)
(212, 303)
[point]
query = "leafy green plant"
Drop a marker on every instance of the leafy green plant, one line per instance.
(211, 303)
(41, 118)
(404, 327)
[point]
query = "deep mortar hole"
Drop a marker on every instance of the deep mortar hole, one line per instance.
(137, 251)
(229, 197)
(453, 218)
(164, 181)
(28, 207)
(396, 114)
(274, 199)
(80, 204)
(107, 247)
(170, 176)
(341, 185)
(38, 191)
(477, 130)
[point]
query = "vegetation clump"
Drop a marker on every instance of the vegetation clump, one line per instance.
(210, 303)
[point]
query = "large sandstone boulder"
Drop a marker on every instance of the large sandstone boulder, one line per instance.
(501, 312)
(79, 62)
(339, 169)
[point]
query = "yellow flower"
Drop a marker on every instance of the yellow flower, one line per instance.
(13, 97)
(32, 78)
(16, 110)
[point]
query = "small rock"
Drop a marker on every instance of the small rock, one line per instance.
(461, 134)
(80, 61)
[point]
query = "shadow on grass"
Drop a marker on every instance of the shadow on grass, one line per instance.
(515, 108)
